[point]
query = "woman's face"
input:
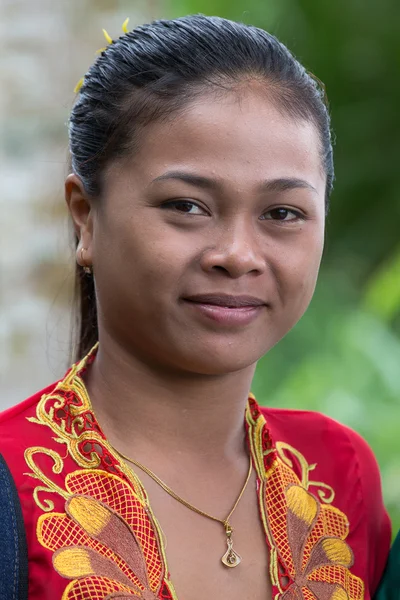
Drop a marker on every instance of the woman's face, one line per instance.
(207, 242)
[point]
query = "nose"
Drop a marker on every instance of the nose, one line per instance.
(237, 252)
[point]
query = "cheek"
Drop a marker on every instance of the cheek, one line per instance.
(141, 254)
(300, 267)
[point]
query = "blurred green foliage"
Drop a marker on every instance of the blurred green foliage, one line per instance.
(343, 358)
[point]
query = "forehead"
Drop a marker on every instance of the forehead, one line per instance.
(239, 139)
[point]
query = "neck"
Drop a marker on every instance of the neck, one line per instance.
(144, 411)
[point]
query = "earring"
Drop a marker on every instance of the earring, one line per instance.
(85, 267)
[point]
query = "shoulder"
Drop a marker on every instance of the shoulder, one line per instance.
(24, 408)
(338, 451)
(21, 432)
(15, 424)
(316, 431)
(338, 466)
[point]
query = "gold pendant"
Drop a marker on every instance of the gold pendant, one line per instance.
(231, 558)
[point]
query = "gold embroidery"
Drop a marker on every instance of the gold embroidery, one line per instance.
(281, 447)
(45, 415)
(274, 567)
(73, 563)
(90, 514)
(256, 427)
(339, 594)
(337, 551)
(105, 535)
(302, 504)
(105, 504)
(305, 536)
(50, 487)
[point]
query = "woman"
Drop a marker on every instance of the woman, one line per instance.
(201, 174)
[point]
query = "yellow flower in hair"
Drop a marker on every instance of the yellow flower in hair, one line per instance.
(125, 25)
(109, 41)
(108, 37)
(78, 85)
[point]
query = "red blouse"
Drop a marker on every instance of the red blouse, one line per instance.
(91, 531)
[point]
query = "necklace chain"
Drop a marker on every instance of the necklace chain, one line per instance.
(230, 558)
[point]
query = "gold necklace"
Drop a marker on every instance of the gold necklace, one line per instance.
(230, 558)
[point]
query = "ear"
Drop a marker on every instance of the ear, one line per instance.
(81, 210)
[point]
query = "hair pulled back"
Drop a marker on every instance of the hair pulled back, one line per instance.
(157, 69)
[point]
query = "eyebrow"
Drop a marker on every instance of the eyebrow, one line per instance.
(281, 184)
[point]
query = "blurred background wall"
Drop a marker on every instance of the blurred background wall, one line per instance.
(344, 356)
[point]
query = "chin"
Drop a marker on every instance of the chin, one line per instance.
(221, 362)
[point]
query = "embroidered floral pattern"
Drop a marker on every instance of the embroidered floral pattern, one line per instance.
(108, 542)
(309, 558)
(104, 541)
(68, 413)
(311, 565)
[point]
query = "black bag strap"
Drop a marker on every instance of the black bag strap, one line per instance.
(13, 547)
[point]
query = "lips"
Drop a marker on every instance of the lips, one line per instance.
(226, 300)
(225, 310)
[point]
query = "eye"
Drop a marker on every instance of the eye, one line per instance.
(282, 213)
(184, 206)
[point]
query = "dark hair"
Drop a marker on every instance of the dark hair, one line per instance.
(157, 69)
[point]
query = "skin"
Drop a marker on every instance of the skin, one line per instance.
(181, 378)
